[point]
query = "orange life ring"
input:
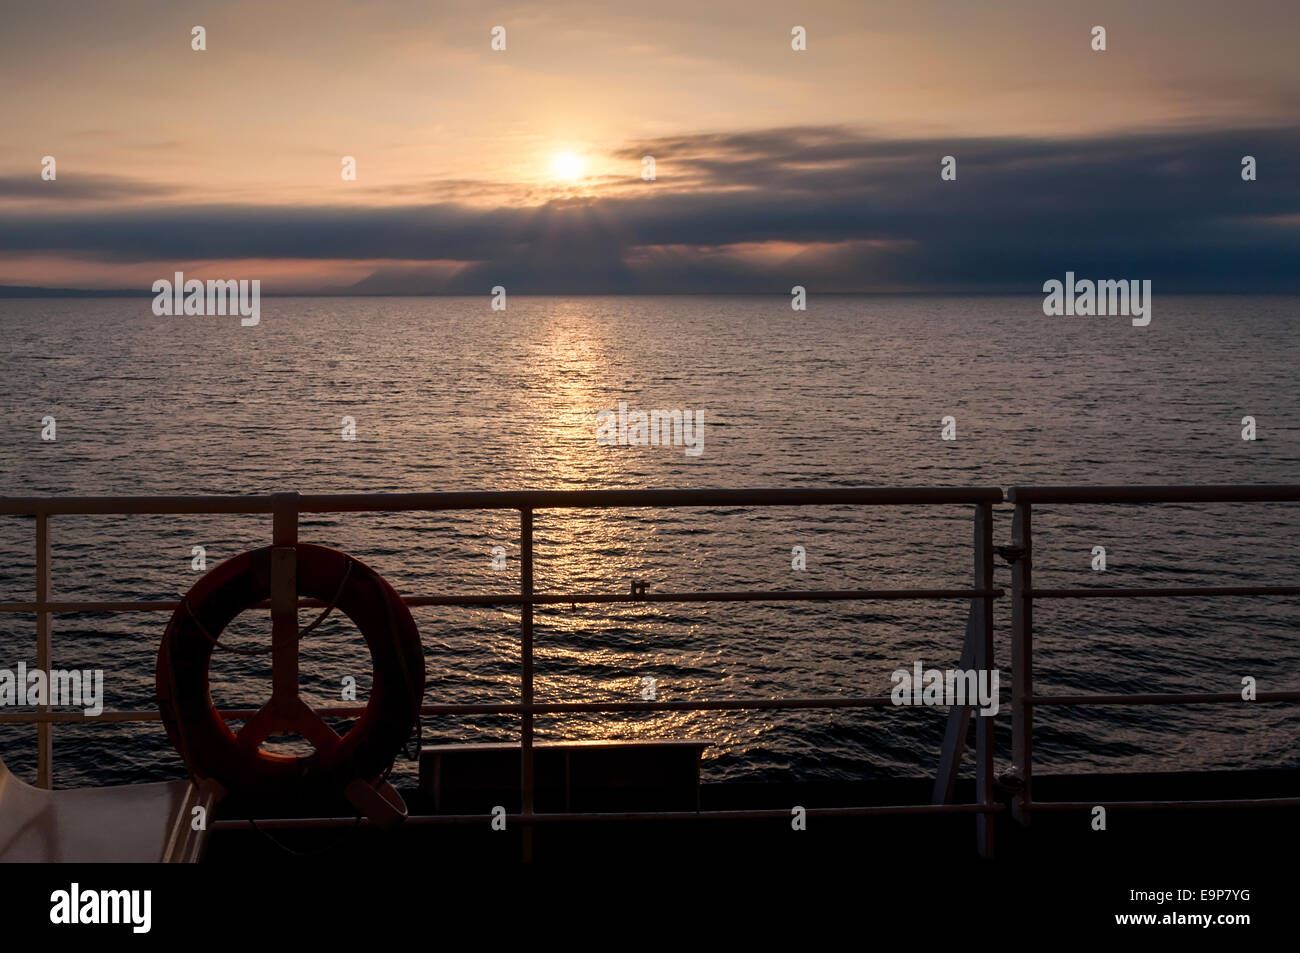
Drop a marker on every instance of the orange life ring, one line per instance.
(362, 754)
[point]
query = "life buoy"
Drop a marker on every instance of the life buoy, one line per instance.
(364, 753)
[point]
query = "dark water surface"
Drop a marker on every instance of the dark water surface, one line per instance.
(449, 395)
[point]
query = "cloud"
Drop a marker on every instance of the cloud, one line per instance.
(831, 208)
(78, 188)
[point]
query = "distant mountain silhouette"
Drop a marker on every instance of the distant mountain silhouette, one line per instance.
(23, 291)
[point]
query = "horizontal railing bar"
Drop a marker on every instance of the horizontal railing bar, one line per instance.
(1163, 805)
(559, 598)
(60, 717)
(502, 708)
(1191, 698)
(129, 505)
(505, 499)
(1152, 592)
(728, 704)
(773, 595)
(62, 607)
(1240, 493)
(293, 823)
(563, 499)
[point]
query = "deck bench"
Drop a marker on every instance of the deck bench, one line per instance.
(639, 774)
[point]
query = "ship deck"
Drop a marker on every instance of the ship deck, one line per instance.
(1150, 817)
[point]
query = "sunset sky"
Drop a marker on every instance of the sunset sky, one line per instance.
(523, 167)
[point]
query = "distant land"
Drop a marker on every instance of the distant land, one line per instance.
(362, 291)
(20, 291)
(23, 291)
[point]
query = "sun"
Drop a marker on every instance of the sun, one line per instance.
(567, 166)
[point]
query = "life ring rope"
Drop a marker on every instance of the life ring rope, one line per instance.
(267, 650)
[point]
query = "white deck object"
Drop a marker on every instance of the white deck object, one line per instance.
(133, 823)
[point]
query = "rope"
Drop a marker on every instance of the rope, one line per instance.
(301, 634)
(417, 733)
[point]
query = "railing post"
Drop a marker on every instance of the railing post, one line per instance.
(284, 604)
(1022, 639)
(984, 663)
(526, 684)
(44, 729)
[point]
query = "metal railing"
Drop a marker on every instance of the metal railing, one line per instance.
(977, 650)
(287, 507)
(1024, 700)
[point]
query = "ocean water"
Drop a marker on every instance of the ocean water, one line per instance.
(449, 395)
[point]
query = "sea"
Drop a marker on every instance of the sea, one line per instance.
(352, 395)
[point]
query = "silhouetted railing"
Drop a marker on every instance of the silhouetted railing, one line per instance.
(286, 509)
(978, 649)
(1023, 595)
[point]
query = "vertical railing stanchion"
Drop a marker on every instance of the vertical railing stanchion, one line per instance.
(284, 604)
(984, 663)
(1022, 645)
(526, 686)
(44, 729)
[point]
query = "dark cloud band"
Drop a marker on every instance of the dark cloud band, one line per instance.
(1171, 207)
